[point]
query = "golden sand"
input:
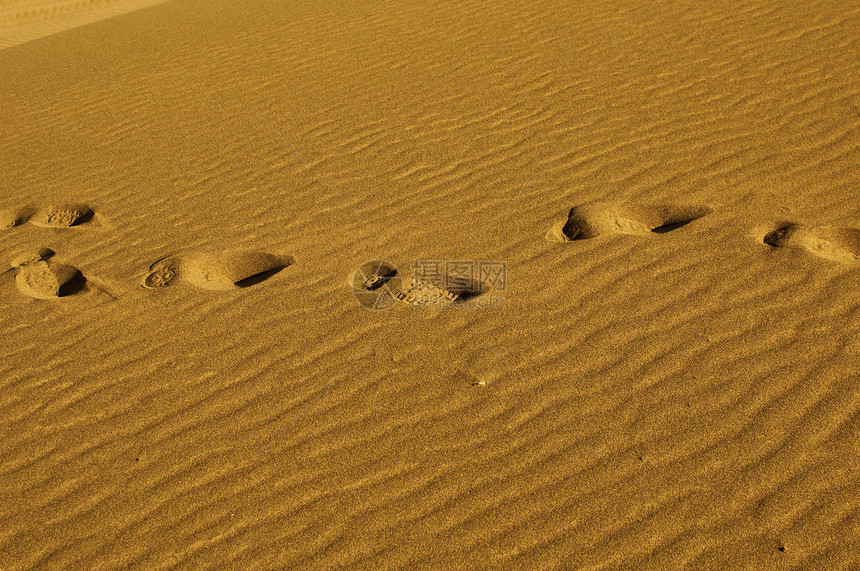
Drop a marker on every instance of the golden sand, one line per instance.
(25, 20)
(669, 376)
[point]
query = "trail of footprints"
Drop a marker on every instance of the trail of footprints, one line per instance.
(60, 216)
(594, 219)
(39, 274)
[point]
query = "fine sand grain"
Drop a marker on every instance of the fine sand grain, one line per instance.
(318, 284)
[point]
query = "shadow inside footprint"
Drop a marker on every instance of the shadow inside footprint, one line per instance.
(84, 218)
(259, 278)
(779, 237)
(76, 285)
(671, 226)
(464, 288)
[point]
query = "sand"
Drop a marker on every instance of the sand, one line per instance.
(25, 20)
(196, 377)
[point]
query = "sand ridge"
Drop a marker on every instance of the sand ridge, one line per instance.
(685, 398)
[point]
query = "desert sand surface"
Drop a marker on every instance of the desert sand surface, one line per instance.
(25, 20)
(195, 375)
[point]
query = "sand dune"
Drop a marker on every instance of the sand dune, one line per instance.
(236, 322)
(25, 20)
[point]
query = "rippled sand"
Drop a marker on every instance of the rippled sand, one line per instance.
(194, 374)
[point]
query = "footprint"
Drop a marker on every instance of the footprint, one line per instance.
(376, 284)
(40, 277)
(594, 219)
(836, 244)
(216, 271)
(162, 273)
(373, 275)
(31, 257)
(419, 293)
(422, 294)
(464, 289)
(64, 216)
(9, 219)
